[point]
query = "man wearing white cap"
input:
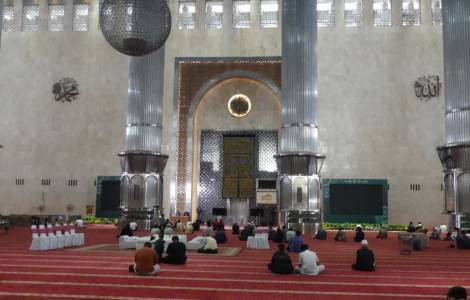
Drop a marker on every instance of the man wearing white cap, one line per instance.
(365, 260)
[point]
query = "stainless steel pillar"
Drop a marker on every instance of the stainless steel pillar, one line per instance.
(142, 163)
(299, 162)
(455, 154)
(2, 2)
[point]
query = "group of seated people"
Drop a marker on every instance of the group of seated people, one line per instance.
(309, 263)
(148, 259)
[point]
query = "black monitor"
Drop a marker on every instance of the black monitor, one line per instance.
(356, 199)
(108, 196)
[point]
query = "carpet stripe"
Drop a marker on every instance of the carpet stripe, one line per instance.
(267, 274)
(165, 268)
(209, 289)
(206, 279)
(334, 267)
(68, 296)
(222, 260)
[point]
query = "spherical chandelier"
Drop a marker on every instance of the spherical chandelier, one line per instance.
(135, 27)
(239, 105)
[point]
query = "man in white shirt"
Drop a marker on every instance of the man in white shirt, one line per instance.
(210, 246)
(443, 230)
(309, 263)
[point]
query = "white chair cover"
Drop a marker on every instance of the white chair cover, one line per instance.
(78, 238)
(127, 242)
(139, 244)
(53, 240)
(68, 236)
(60, 236)
(36, 240)
(259, 241)
(196, 243)
(44, 240)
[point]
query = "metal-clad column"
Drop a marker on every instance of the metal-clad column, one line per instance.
(145, 94)
(455, 155)
(2, 2)
(299, 77)
(142, 162)
(299, 162)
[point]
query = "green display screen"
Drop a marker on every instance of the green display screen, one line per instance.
(355, 200)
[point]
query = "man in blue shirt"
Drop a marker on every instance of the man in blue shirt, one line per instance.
(295, 243)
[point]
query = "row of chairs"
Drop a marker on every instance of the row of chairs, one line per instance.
(55, 237)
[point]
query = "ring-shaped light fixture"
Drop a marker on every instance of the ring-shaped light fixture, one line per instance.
(239, 105)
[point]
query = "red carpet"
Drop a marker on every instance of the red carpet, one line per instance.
(65, 274)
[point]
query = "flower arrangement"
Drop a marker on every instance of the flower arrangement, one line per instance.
(95, 220)
(365, 226)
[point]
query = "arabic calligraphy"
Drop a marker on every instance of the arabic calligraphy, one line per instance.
(65, 90)
(427, 87)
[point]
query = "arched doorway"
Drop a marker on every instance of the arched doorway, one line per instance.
(213, 121)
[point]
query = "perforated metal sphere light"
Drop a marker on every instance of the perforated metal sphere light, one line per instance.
(135, 27)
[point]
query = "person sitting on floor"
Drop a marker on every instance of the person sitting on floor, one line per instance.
(411, 228)
(146, 261)
(220, 235)
(321, 234)
(215, 224)
(271, 233)
(189, 228)
(210, 246)
(419, 227)
(434, 234)
(235, 228)
(159, 245)
(309, 263)
(443, 231)
(365, 260)
(416, 242)
(284, 233)
(180, 228)
(281, 262)
(176, 252)
(168, 230)
(161, 220)
(290, 234)
(340, 235)
(462, 240)
(359, 235)
(208, 230)
(279, 236)
(154, 233)
(126, 231)
(295, 243)
(197, 225)
(382, 233)
(246, 232)
(457, 293)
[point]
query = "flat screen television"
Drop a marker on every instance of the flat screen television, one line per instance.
(355, 200)
(108, 196)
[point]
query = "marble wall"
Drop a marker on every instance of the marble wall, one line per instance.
(371, 125)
